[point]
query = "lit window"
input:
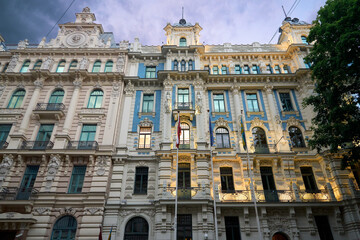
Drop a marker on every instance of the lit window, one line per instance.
(304, 40)
(95, 100)
(277, 69)
(223, 69)
(183, 65)
(215, 70)
(182, 42)
(64, 228)
(259, 138)
(269, 69)
(255, 69)
(145, 137)
(61, 66)
(286, 69)
(25, 66)
(246, 69)
(73, 65)
(286, 102)
(141, 180)
(191, 66)
(296, 137)
(109, 66)
(252, 102)
(150, 72)
(77, 179)
(176, 65)
(237, 69)
(227, 181)
(96, 66)
(309, 179)
(17, 99)
(148, 103)
(185, 136)
(222, 138)
(219, 102)
(37, 65)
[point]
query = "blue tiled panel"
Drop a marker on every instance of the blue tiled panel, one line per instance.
(252, 116)
(217, 116)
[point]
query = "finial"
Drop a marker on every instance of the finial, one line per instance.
(182, 20)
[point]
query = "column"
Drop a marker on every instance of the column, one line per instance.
(166, 141)
(237, 104)
(200, 113)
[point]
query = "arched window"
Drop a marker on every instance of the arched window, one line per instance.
(16, 99)
(96, 67)
(260, 143)
(183, 65)
(137, 228)
(279, 236)
(191, 67)
(73, 65)
(95, 100)
(61, 67)
(304, 40)
(109, 66)
(37, 65)
(25, 66)
(185, 136)
(64, 229)
(55, 100)
(5, 67)
(296, 137)
(176, 65)
(222, 138)
(182, 42)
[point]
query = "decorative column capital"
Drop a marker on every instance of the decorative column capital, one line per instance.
(77, 83)
(235, 89)
(39, 83)
(268, 88)
(129, 89)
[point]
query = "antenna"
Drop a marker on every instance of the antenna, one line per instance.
(284, 10)
(182, 15)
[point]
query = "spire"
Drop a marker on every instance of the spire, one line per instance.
(182, 20)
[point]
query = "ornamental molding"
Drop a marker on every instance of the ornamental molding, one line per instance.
(93, 211)
(41, 211)
(101, 163)
(13, 62)
(120, 63)
(292, 121)
(76, 39)
(221, 122)
(47, 64)
(115, 89)
(129, 89)
(256, 122)
(6, 164)
(146, 123)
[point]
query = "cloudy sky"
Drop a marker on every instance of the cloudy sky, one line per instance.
(234, 21)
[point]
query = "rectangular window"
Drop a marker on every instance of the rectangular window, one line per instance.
(27, 183)
(206, 67)
(227, 181)
(252, 102)
(219, 102)
(307, 64)
(141, 180)
(323, 226)
(43, 137)
(255, 69)
(309, 180)
(268, 182)
(269, 69)
(145, 137)
(232, 228)
(87, 136)
(184, 181)
(4, 133)
(286, 102)
(183, 98)
(286, 69)
(246, 69)
(184, 227)
(77, 179)
(237, 69)
(148, 103)
(224, 70)
(150, 72)
(215, 70)
(277, 69)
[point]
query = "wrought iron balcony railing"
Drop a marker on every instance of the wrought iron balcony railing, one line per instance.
(83, 145)
(49, 107)
(186, 193)
(183, 106)
(14, 193)
(36, 145)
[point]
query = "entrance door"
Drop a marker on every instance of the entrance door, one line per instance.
(27, 183)
(184, 181)
(184, 227)
(269, 184)
(8, 235)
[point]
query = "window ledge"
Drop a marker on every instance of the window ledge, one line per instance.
(299, 149)
(283, 113)
(147, 114)
(137, 194)
(220, 113)
(223, 149)
(143, 149)
(255, 113)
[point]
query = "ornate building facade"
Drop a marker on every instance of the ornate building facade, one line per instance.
(88, 132)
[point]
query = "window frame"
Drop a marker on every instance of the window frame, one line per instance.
(269, 69)
(176, 65)
(215, 70)
(237, 71)
(257, 101)
(55, 95)
(148, 101)
(227, 180)
(296, 136)
(277, 69)
(191, 65)
(96, 66)
(255, 69)
(304, 40)
(4, 133)
(224, 143)
(71, 66)
(141, 185)
(224, 69)
(217, 100)
(183, 65)
(246, 69)
(71, 231)
(37, 65)
(150, 71)
(19, 99)
(287, 101)
(185, 135)
(146, 136)
(89, 133)
(109, 66)
(182, 43)
(309, 180)
(25, 67)
(92, 104)
(61, 66)
(78, 177)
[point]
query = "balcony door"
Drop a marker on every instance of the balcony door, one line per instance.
(27, 183)
(184, 181)
(44, 135)
(268, 182)
(183, 98)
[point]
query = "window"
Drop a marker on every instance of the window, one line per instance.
(227, 181)
(268, 182)
(109, 66)
(148, 103)
(96, 66)
(183, 65)
(73, 65)
(61, 66)
(286, 102)
(207, 68)
(77, 179)
(232, 228)
(191, 66)
(150, 72)
(182, 42)
(246, 69)
(222, 138)
(215, 70)
(185, 136)
(296, 137)
(5, 67)
(252, 102)
(184, 181)
(304, 40)
(56, 97)
(87, 136)
(183, 98)
(27, 183)
(219, 102)
(137, 228)
(269, 69)
(176, 65)
(37, 65)
(145, 137)
(309, 180)
(323, 226)
(259, 138)
(25, 66)
(43, 137)
(64, 228)
(141, 180)
(224, 69)
(237, 69)
(286, 69)
(17, 99)
(95, 100)
(277, 69)
(4, 133)
(255, 69)
(184, 227)
(307, 64)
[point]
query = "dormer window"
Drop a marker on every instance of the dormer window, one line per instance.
(182, 42)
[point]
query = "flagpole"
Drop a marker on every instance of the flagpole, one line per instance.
(176, 183)
(213, 180)
(252, 184)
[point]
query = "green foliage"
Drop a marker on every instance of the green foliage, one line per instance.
(335, 60)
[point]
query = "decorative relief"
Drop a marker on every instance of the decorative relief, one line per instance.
(146, 123)
(116, 89)
(5, 166)
(47, 63)
(23, 44)
(257, 122)
(39, 83)
(93, 210)
(292, 121)
(101, 164)
(221, 122)
(167, 103)
(13, 62)
(76, 39)
(53, 166)
(129, 89)
(67, 210)
(198, 105)
(84, 63)
(120, 63)
(41, 211)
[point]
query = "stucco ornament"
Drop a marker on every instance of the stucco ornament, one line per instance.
(2, 47)
(221, 122)
(76, 39)
(198, 102)
(120, 64)
(6, 164)
(47, 63)
(84, 62)
(42, 43)
(101, 164)
(129, 89)
(167, 103)
(23, 44)
(13, 62)
(146, 123)
(86, 10)
(54, 164)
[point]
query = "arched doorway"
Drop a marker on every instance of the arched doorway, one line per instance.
(137, 229)
(279, 236)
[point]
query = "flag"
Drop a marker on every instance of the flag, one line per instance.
(211, 133)
(100, 234)
(109, 238)
(243, 133)
(178, 132)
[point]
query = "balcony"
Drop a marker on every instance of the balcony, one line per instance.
(183, 193)
(314, 196)
(36, 145)
(186, 109)
(14, 193)
(183, 106)
(262, 148)
(49, 111)
(83, 145)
